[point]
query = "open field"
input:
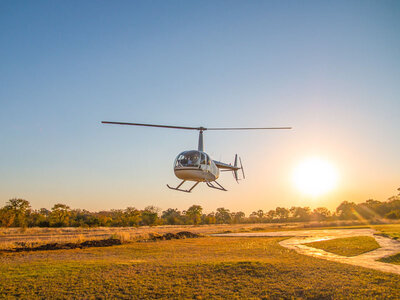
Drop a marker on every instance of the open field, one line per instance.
(207, 267)
(350, 246)
(12, 237)
(196, 268)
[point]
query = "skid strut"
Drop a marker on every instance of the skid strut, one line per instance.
(181, 190)
(219, 187)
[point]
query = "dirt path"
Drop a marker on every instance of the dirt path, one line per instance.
(367, 260)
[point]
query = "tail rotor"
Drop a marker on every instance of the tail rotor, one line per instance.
(235, 174)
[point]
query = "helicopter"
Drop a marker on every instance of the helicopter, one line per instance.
(196, 165)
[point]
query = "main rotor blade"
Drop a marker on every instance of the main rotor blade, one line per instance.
(248, 128)
(194, 128)
(153, 125)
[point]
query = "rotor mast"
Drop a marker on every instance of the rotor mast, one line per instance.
(201, 144)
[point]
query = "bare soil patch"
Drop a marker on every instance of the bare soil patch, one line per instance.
(171, 236)
(66, 246)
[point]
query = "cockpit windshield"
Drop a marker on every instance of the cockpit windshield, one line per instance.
(188, 159)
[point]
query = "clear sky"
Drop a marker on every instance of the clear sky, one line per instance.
(330, 69)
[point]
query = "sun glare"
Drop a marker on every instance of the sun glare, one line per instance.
(315, 177)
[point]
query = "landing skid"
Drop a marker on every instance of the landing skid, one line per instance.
(209, 184)
(181, 190)
(219, 187)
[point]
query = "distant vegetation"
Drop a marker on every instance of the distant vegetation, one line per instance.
(18, 213)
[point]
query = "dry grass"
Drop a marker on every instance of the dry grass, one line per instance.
(11, 237)
(206, 268)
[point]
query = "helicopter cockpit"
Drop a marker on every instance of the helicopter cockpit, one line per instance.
(192, 158)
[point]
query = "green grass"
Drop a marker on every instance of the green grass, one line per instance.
(350, 246)
(211, 267)
(390, 230)
(394, 259)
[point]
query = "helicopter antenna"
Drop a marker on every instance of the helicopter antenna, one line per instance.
(201, 129)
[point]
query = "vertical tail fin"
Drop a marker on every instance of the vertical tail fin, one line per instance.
(235, 174)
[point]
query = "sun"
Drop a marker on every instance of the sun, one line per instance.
(315, 176)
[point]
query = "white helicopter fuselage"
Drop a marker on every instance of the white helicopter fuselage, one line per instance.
(195, 165)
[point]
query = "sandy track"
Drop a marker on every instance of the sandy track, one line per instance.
(301, 237)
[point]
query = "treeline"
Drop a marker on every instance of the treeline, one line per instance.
(18, 213)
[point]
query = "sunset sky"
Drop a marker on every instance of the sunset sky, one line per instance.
(330, 69)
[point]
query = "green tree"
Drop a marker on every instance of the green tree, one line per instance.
(282, 213)
(132, 216)
(208, 219)
(271, 215)
(223, 216)
(394, 214)
(193, 214)
(321, 214)
(301, 214)
(238, 217)
(38, 218)
(150, 215)
(346, 211)
(7, 217)
(20, 208)
(172, 216)
(60, 214)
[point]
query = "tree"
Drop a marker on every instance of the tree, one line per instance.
(321, 214)
(237, 217)
(20, 208)
(346, 211)
(6, 217)
(132, 216)
(300, 213)
(59, 216)
(150, 215)
(282, 213)
(223, 216)
(172, 216)
(394, 214)
(193, 214)
(258, 214)
(39, 218)
(271, 215)
(209, 218)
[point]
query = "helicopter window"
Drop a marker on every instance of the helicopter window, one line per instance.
(189, 159)
(208, 160)
(203, 159)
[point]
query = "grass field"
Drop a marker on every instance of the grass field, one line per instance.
(389, 230)
(12, 237)
(203, 268)
(350, 246)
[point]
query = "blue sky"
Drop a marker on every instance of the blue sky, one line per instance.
(329, 69)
